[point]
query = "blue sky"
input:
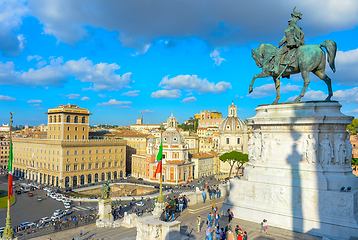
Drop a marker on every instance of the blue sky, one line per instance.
(121, 58)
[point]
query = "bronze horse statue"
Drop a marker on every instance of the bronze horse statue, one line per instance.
(310, 58)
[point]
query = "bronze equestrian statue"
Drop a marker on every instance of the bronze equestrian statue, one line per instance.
(294, 57)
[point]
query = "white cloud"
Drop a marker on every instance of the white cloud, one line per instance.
(166, 94)
(38, 58)
(34, 101)
(102, 95)
(7, 98)
(85, 99)
(41, 64)
(72, 96)
(348, 95)
(131, 93)
(11, 14)
(102, 76)
(189, 100)
(114, 102)
(215, 55)
(194, 83)
(263, 91)
(347, 71)
(35, 105)
(289, 88)
(353, 111)
(146, 111)
(229, 22)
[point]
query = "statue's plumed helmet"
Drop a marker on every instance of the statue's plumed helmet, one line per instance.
(296, 14)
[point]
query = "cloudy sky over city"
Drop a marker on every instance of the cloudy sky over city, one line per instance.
(121, 59)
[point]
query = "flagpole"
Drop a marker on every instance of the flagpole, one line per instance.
(161, 197)
(8, 231)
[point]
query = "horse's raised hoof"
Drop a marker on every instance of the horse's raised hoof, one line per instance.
(251, 89)
(298, 99)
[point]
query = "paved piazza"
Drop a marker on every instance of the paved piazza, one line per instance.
(188, 226)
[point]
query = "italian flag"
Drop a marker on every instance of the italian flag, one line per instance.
(9, 168)
(158, 163)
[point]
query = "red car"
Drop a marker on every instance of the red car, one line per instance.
(31, 194)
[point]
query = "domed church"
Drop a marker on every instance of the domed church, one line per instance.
(177, 168)
(233, 135)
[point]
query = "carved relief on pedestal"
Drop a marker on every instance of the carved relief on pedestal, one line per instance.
(256, 146)
(265, 147)
(326, 148)
(349, 150)
(340, 150)
(336, 204)
(309, 149)
(250, 147)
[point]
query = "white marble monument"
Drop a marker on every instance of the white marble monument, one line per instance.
(299, 159)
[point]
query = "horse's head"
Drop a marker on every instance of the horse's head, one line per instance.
(257, 56)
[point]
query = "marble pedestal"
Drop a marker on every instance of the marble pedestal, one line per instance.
(105, 217)
(158, 208)
(298, 161)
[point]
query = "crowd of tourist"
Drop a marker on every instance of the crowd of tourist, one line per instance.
(175, 205)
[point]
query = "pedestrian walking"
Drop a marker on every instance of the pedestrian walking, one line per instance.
(209, 219)
(230, 214)
(208, 233)
(244, 237)
(199, 220)
(216, 217)
(218, 233)
(264, 226)
(204, 196)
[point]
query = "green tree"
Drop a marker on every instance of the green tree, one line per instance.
(234, 157)
(352, 128)
(354, 162)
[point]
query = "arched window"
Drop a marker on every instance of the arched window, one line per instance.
(109, 176)
(54, 119)
(50, 119)
(68, 119)
(82, 179)
(89, 178)
(59, 118)
(121, 174)
(103, 175)
(115, 175)
(74, 181)
(67, 181)
(83, 120)
(96, 177)
(76, 120)
(227, 141)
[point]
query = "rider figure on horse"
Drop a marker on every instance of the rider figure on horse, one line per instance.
(294, 38)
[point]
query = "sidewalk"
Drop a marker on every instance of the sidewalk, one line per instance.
(188, 227)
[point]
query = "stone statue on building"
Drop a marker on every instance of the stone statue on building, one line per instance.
(105, 189)
(340, 150)
(266, 147)
(326, 150)
(309, 149)
(349, 149)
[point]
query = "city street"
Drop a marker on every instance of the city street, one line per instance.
(28, 209)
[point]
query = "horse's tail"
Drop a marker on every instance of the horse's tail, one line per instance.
(331, 47)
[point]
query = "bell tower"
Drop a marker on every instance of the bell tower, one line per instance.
(232, 110)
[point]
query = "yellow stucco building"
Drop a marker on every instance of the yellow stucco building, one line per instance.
(67, 157)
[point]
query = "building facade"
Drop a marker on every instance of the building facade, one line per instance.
(68, 158)
(4, 152)
(176, 165)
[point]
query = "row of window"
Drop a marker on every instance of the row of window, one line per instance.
(54, 119)
(68, 128)
(67, 137)
(89, 166)
(97, 158)
(75, 152)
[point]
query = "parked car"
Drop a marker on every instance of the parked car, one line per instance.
(39, 199)
(30, 194)
(140, 179)
(45, 220)
(67, 205)
(140, 204)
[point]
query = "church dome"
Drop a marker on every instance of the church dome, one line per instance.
(232, 124)
(172, 135)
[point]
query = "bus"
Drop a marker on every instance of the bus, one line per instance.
(24, 187)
